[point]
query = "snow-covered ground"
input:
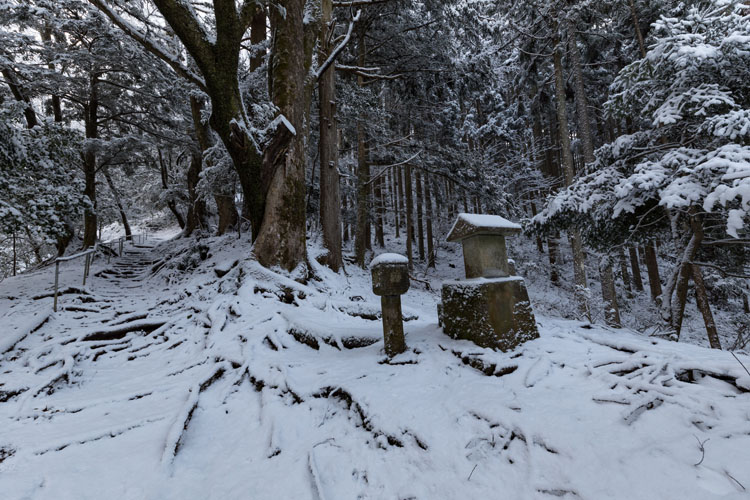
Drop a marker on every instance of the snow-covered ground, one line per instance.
(182, 372)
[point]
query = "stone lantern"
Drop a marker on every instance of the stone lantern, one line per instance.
(390, 280)
(490, 307)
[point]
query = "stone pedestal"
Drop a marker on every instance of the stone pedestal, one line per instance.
(491, 307)
(493, 312)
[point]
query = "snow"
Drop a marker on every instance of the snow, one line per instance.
(388, 258)
(256, 388)
(489, 221)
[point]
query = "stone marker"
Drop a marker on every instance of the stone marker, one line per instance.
(390, 280)
(491, 307)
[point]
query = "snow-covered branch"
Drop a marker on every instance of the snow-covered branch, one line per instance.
(149, 44)
(336, 51)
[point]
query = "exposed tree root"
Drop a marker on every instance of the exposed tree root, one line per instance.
(180, 425)
(119, 331)
(489, 369)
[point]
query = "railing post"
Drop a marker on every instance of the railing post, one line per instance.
(57, 272)
(85, 268)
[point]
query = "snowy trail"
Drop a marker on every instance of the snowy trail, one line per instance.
(234, 381)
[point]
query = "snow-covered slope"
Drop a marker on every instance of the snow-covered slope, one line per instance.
(173, 377)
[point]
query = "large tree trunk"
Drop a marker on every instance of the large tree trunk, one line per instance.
(701, 297)
(579, 265)
(120, 206)
(330, 196)
(281, 241)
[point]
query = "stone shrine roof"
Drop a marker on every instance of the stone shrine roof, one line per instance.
(388, 258)
(472, 224)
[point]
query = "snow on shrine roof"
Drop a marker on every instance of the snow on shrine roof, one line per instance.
(388, 258)
(472, 224)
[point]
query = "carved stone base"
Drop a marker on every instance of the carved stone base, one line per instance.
(491, 312)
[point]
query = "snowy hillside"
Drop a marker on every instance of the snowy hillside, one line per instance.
(233, 382)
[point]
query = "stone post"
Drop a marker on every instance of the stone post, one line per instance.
(390, 280)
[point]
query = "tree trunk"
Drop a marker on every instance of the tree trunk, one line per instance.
(401, 200)
(636, 24)
(330, 196)
(539, 243)
(652, 266)
(379, 236)
(196, 213)
(281, 240)
(46, 35)
(704, 307)
(20, 95)
(395, 183)
(164, 169)
(624, 272)
(120, 206)
(363, 177)
(636, 268)
(675, 296)
(554, 274)
(409, 216)
(612, 315)
(345, 208)
(611, 311)
(91, 123)
(420, 224)
(430, 238)
(226, 210)
(579, 265)
(363, 171)
(257, 36)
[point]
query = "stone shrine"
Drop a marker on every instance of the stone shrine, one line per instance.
(490, 307)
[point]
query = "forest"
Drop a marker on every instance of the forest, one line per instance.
(230, 176)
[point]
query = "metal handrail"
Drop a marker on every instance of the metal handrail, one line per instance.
(86, 268)
(88, 253)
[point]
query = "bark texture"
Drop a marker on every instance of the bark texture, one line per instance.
(330, 196)
(579, 268)
(281, 240)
